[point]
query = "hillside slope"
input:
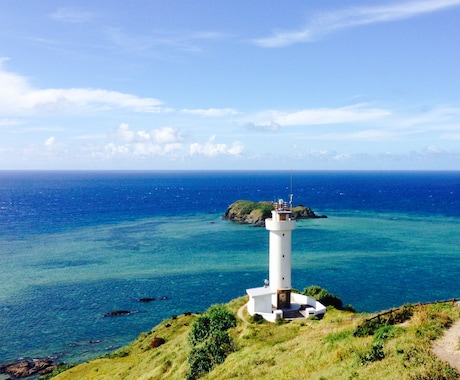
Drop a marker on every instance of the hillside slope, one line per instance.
(329, 348)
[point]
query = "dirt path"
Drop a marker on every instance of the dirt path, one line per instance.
(448, 347)
(240, 313)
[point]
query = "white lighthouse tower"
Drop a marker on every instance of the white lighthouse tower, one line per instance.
(275, 300)
(280, 226)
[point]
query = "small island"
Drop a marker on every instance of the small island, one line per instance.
(249, 212)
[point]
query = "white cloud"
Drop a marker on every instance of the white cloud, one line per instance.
(165, 135)
(72, 15)
(50, 142)
(124, 134)
(436, 118)
(236, 149)
(17, 96)
(270, 126)
(164, 141)
(326, 23)
(211, 112)
(138, 149)
(364, 135)
(189, 41)
(211, 149)
(112, 149)
(321, 116)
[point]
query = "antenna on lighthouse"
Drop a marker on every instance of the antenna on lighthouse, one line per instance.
(291, 195)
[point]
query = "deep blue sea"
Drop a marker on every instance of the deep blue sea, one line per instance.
(77, 245)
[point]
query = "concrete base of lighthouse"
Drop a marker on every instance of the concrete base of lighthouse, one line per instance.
(260, 302)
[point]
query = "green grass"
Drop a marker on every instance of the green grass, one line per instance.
(300, 349)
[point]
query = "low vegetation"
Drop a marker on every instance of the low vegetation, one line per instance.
(343, 345)
(325, 297)
(210, 341)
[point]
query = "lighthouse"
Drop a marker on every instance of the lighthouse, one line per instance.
(280, 226)
(275, 299)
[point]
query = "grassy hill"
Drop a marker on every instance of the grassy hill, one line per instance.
(342, 345)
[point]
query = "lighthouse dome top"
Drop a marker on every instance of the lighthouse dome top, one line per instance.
(282, 205)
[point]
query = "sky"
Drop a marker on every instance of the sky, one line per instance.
(230, 85)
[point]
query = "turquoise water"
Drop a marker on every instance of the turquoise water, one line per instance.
(62, 270)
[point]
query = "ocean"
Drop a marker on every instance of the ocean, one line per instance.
(75, 246)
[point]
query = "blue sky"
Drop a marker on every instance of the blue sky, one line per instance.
(303, 85)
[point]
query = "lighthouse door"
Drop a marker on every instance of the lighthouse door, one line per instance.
(284, 298)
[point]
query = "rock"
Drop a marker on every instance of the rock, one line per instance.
(29, 367)
(248, 212)
(146, 299)
(156, 342)
(117, 313)
(302, 212)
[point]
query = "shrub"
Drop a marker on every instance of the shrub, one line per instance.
(210, 353)
(389, 318)
(59, 369)
(323, 296)
(210, 340)
(219, 346)
(200, 363)
(221, 318)
(216, 318)
(385, 332)
(257, 319)
(374, 354)
(121, 353)
(200, 330)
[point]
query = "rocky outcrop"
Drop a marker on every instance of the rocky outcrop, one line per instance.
(248, 212)
(117, 313)
(29, 367)
(147, 299)
(302, 212)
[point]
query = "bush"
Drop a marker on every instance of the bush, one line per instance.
(59, 369)
(200, 363)
(374, 354)
(217, 318)
(257, 319)
(210, 340)
(370, 326)
(121, 353)
(200, 330)
(385, 332)
(221, 318)
(323, 296)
